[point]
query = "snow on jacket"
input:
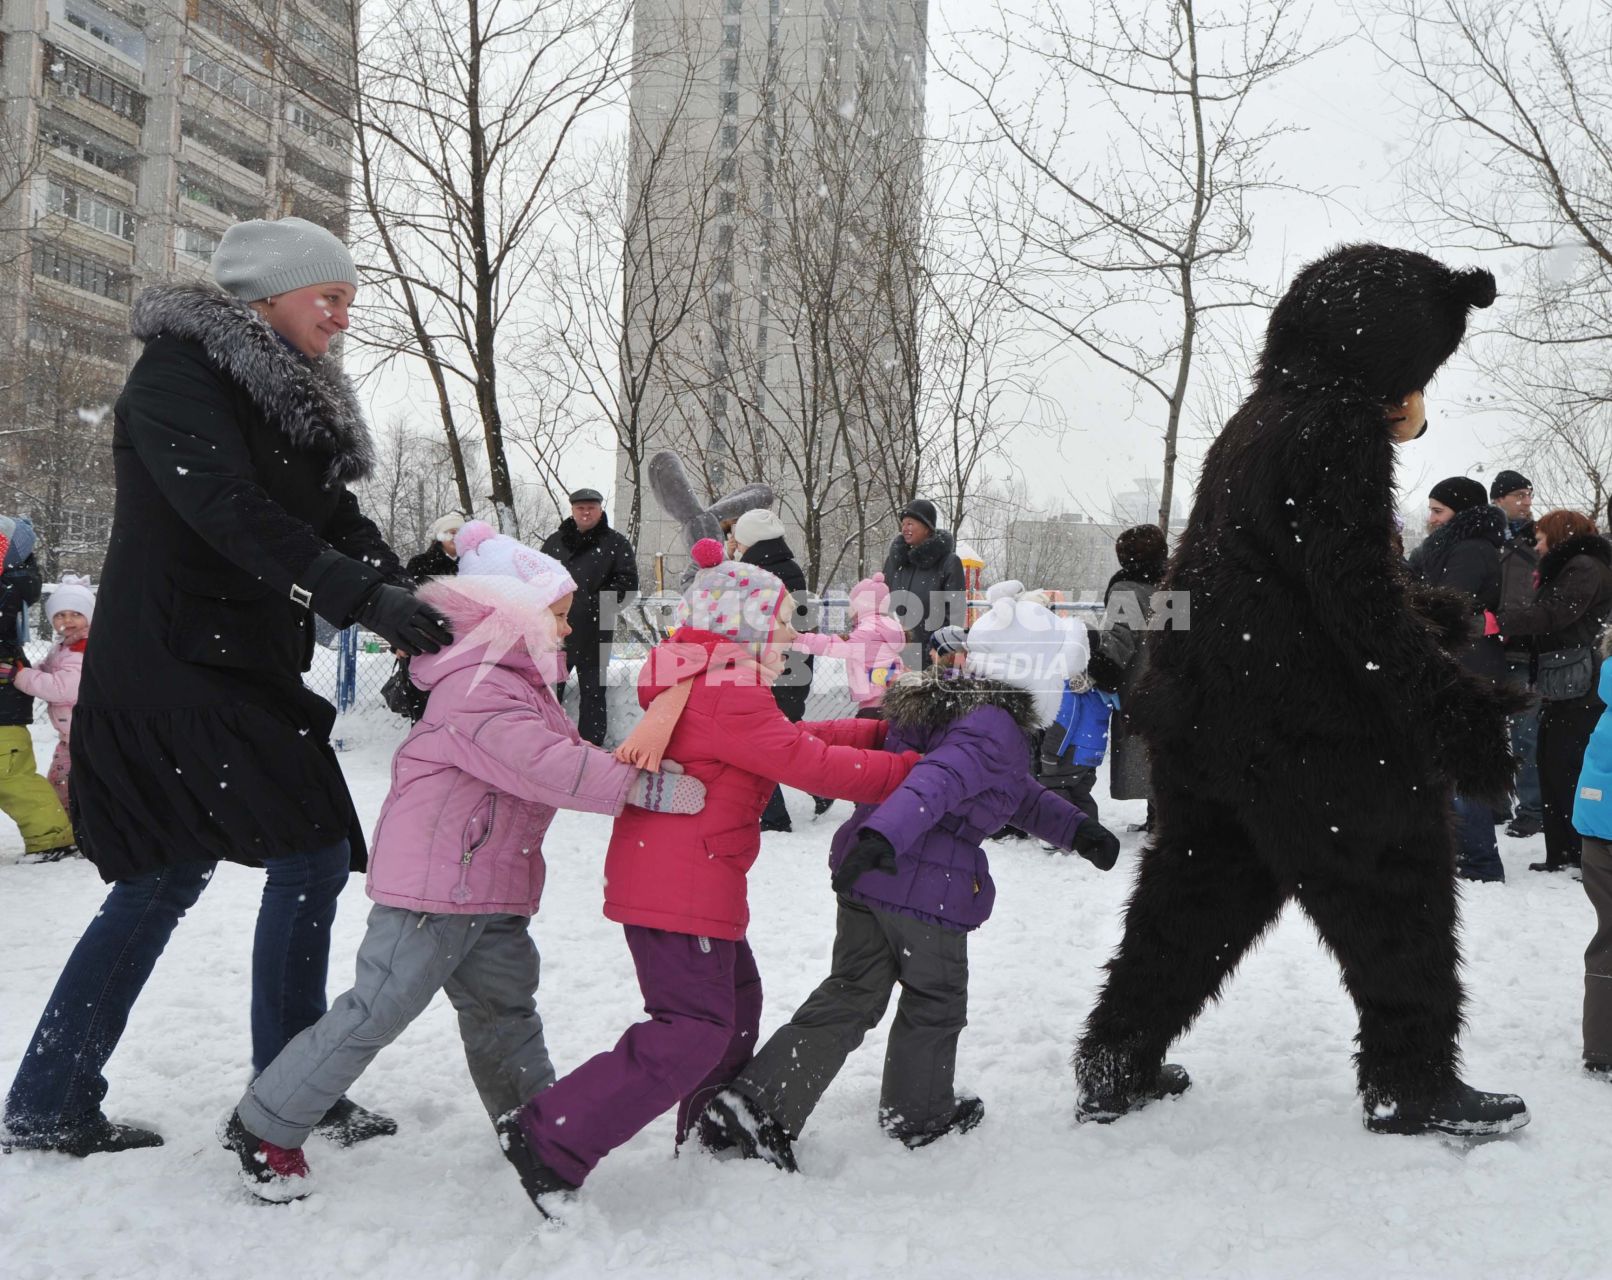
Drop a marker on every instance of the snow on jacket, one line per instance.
(687, 873)
(55, 683)
(477, 781)
(974, 779)
(872, 654)
(1592, 803)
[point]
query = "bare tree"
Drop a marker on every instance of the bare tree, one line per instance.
(1131, 255)
(1515, 100)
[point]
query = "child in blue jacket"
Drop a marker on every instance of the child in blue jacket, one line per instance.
(1592, 819)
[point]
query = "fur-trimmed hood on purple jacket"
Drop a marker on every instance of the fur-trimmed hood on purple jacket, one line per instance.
(476, 783)
(973, 780)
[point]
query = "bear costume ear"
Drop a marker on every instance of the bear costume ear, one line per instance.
(1475, 287)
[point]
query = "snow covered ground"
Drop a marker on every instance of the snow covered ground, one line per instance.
(1263, 1169)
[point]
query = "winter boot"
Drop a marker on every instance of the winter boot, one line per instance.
(59, 853)
(347, 1124)
(276, 1174)
(1523, 826)
(1104, 1106)
(965, 1115)
(755, 1134)
(1461, 1110)
(821, 805)
(543, 1186)
(1599, 1070)
(98, 1136)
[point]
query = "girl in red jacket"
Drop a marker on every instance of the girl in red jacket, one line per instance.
(677, 884)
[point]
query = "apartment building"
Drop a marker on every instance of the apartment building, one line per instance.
(134, 134)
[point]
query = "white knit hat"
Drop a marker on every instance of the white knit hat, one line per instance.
(74, 593)
(1021, 642)
(445, 527)
(483, 552)
(757, 525)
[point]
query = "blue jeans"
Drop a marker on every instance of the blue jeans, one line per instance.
(1525, 745)
(1477, 854)
(60, 1082)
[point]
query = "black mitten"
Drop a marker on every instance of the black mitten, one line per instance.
(871, 852)
(1097, 844)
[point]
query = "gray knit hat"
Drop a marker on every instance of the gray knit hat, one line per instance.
(257, 259)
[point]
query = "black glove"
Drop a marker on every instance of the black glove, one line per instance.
(1097, 844)
(871, 852)
(402, 621)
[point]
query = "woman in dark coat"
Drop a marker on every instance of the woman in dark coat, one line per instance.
(194, 739)
(758, 536)
(1461, 553)
(928, 589)
(1569, 609)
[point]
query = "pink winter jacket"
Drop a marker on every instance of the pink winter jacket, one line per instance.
(55, 683)
(872, 654)
(477, 782)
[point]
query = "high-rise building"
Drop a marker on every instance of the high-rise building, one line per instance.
(134, 134)
(773, 228)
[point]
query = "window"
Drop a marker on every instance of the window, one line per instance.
(321, 86)
(730, 71)
(730, 101)
(110, 157)
(254, 161)
(202, 194)
(78, 79)
(340, 10)
(725, 202)
(728, 169)
(730, 136)
(314, 125)
(81, 272)
(83, 526)
(730, 35)
(101, 26)
(327, 179)
(89, 208)
(192, 242)
(228, 25)
(61, 333)
(734, 6)
(316, 40)
(232, 84)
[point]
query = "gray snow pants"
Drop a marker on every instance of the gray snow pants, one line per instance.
(873, 950)
(1598, 957)
(487, 964)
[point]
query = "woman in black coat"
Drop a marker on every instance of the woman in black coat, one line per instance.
(1564, 622)
(194, 738)
(1461, 553)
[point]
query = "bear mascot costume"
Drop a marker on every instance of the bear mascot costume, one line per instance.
(1309, 722)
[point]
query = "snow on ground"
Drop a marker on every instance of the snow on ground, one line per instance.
(1263, 1169)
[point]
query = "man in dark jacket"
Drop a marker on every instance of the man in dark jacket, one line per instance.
(604, 566)
(27, 798)
(925, 577)
(1462, 553)
(194, 738)
(1513, 493)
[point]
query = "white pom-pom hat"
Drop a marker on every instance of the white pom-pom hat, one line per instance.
(1020, 641)
(484, 552)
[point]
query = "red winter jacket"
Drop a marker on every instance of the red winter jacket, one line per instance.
(686, 873)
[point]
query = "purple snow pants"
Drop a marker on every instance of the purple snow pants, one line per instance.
(703, 998)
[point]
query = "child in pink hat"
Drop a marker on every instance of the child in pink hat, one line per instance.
(872, 651)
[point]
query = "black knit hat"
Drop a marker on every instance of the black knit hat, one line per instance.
(1459, 493)
(1508, 482)
(921, 510)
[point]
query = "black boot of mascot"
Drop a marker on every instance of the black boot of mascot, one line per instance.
(1308, 724)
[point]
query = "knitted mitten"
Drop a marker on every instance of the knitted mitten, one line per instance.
(669, 791)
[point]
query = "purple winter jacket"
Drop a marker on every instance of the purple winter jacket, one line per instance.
(973, 780)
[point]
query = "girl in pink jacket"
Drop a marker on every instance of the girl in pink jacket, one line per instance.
(677, 884)
(55, 680)
(872, 652)
(456, 862)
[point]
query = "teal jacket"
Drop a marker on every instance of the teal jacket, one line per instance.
(1592, 808)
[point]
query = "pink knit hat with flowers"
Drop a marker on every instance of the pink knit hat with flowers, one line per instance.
(732, 599)
(483, 552)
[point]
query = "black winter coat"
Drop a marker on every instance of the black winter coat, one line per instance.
(599, 561)
(194, 736)
(1572, 603)
(927, 587)
(1518, 563)
(1464, 556)
(794, 683)
(433, 562)
(1119, 657)
(19, 586)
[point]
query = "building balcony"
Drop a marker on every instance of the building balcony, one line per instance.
(83, 174)
(249, 185)
(92, 306)
(70, 102)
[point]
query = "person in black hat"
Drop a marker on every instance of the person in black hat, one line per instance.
(925, 577)
(1513, 493)
(603, 564)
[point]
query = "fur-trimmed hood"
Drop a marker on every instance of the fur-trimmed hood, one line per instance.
(1586, 544)
(310, 401)
(928, 554)
(496, 621)
(936, 697)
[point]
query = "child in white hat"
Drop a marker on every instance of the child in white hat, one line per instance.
(55, 680)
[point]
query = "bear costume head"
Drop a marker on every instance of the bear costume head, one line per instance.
(1370, 318)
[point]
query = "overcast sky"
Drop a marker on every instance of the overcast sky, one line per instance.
(1357, 142)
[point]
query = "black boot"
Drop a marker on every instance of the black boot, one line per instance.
(1523, 826)
(1598, 1070)
(821, 805)
(755, 1134)
(965, 1115)
(347, 1124)
(545, 1188)
(57, 854)
(276, 1174)
(1105, 1105)
(98, 1136)
(1461, 1110)
(1549, 866)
